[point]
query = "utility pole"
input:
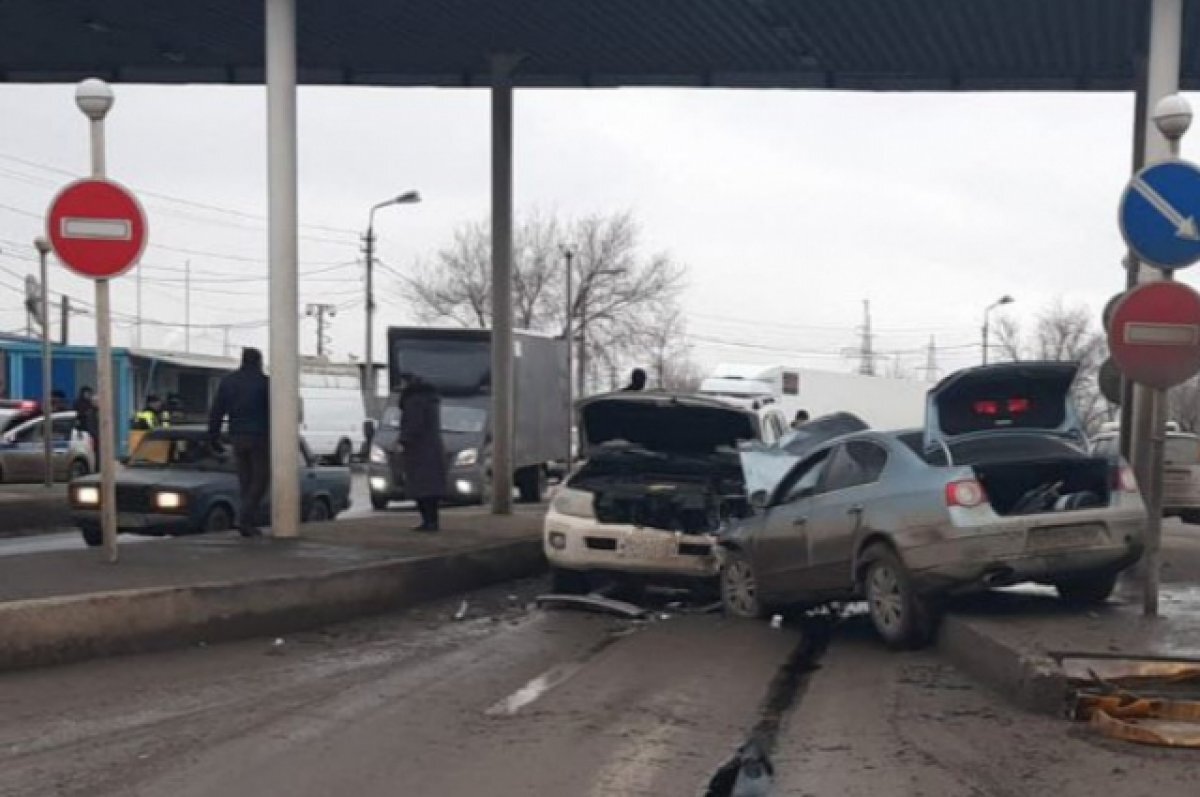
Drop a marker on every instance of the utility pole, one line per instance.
(931, 368)
(568, 253)
(187, 305)
(43, 249)
(319, 312)
(369, 368)
(66, 319)
(866, 351)
(225, 341)
(139, 306)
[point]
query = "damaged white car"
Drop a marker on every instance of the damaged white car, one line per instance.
(662, 477)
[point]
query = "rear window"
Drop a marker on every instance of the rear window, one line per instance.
(1005, 448)
(1182, 450)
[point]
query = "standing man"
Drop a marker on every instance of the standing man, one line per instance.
(637, 381)
(244, 397)
(151, 416)
(421, 441)
(87, 418)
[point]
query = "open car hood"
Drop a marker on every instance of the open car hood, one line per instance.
(765, 466)
(663, 422)
(1009, 397)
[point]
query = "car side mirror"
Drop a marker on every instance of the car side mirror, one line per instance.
(760, 499)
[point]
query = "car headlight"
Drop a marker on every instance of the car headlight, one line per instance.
(576, 503)
(378, 455)
(466, 458)
(87, 496)
(168, 500)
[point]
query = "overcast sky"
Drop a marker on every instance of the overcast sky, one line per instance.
(789, 208)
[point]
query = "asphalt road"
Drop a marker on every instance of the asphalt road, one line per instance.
(516, 701)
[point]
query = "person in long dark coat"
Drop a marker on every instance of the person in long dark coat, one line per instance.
(421, 438)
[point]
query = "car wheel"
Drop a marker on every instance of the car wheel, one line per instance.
(1087, 591)
(569, 582)
(344, 451)
(379, 502)
(739, 587)
(219, 518)
(318, 511)
(902, 617)
(78, 470)
(92, 536)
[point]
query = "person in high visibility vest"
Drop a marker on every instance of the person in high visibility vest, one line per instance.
(152, 415)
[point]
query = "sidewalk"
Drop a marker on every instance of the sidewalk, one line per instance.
(26, 507)
(1018, 641)
(67, 605)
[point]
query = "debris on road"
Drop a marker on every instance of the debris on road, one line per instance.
(461, 614)
(777, 621)
(1152, 702)
(592, 602)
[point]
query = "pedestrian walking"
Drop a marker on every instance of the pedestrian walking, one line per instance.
(244, 398)
(637, 381)
(421, 443)
(87, 418)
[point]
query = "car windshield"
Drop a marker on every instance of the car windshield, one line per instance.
(1182, 450)
(464, 420)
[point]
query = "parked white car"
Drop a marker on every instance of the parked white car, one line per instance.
(333, 416)
(22, 452)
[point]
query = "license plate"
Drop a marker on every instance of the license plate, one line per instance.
(1051, 538)
(128, 520)
(649, 546)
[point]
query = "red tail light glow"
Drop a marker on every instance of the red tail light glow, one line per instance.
(968, 493)
(1016, 406)
(987, 408)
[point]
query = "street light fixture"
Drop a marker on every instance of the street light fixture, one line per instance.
(1003, 300)
(407, 198)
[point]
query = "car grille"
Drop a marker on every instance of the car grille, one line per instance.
(133, 499)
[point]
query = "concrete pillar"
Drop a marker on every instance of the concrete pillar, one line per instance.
(283, 234)
(503, 389)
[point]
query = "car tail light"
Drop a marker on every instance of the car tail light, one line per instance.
(1017, 406)
(967, 493)
(987, 408)
(1124, 480)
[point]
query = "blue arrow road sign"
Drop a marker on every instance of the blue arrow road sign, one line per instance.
(1160, 214)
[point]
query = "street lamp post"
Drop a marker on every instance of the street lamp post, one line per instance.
(1003, 300)
(407, 198)
(43, 249)
(568, 253)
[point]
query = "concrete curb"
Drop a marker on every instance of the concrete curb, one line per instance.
(64, 629)
(1035, 683)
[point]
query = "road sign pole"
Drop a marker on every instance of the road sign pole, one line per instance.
(43, 249)
(95, 98)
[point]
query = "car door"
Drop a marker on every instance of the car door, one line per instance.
(836, 512)
(780, 546)
(62, 429)
(23, 452)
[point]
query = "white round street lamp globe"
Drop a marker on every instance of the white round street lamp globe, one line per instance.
(1173, 116)
(94, 97)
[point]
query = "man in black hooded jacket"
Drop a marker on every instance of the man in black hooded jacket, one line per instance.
(244, 397)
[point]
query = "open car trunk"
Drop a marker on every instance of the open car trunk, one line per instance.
(1050, 485)
(662, 461)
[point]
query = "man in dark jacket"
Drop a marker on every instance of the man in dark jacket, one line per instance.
(244, 397)
(637, 381)
(87, 418)
(421, 440)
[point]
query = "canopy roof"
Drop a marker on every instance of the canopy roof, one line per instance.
(843, 44)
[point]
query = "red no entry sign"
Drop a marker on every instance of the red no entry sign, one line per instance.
(97, 228)
(1154, 334)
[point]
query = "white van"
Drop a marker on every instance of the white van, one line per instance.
(332, 414)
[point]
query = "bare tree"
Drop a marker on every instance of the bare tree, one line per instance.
(1064, 333)
(618, 294)
(669, 354)
(1183, 403)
